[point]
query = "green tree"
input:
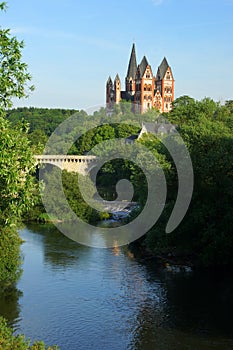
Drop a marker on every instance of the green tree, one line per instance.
(205, 234)
(16, 158)
(14, 76)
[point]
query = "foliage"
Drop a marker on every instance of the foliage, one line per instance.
(58, 205)
(10, 262)
(16, 158)
(40, 119)
(206, 231)
(17, 188)
(9, 341)
(16, 169)
(14, 77)
(102, 133)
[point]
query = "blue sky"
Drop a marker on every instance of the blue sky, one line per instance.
(72, 46)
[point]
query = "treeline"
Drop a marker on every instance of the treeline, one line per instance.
(42, 122)
(45, 119)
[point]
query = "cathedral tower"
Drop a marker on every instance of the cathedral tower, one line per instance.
(131, 73)
(164, 86)
(144, 96)
(117, 89)
(109, 93)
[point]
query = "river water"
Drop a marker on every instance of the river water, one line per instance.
(83, 298)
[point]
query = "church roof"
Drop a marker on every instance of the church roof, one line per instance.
(163, 68)
(132, 68)
(142, 66)
(157, 128)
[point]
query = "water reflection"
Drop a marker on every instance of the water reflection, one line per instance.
(57, 249)
(197, 313)
(9, 305)
(107, 299)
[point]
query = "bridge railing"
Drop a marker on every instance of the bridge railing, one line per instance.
(48, 158)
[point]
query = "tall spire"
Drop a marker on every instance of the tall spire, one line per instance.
(132, 68)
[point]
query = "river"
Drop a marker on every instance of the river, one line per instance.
(83, 298)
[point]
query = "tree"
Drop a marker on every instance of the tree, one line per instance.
(205, 233)
(16, 158)
(14, 77)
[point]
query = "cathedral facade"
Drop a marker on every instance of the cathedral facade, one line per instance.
(142, 88)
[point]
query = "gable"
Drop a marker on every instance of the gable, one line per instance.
(168, 74)
(148, 73)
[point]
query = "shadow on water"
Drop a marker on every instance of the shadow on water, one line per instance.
(197, 311)
(106, 299)
(9, 305)
(58, 250)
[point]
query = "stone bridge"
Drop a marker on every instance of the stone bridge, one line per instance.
(77, 164)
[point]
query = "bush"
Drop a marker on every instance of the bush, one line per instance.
(8, 341)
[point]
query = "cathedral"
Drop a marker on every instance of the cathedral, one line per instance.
(142, 88)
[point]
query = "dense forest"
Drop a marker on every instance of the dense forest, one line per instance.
(205, 235)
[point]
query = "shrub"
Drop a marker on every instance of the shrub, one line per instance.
(8, 341)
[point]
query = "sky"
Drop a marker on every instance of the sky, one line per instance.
(72, 46)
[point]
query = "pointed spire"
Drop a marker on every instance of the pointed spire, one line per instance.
(132, 68)
(117, 78)
(142, 66)
(163, 68)
(109, 81)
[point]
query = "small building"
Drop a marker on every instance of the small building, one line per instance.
(157, 128)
